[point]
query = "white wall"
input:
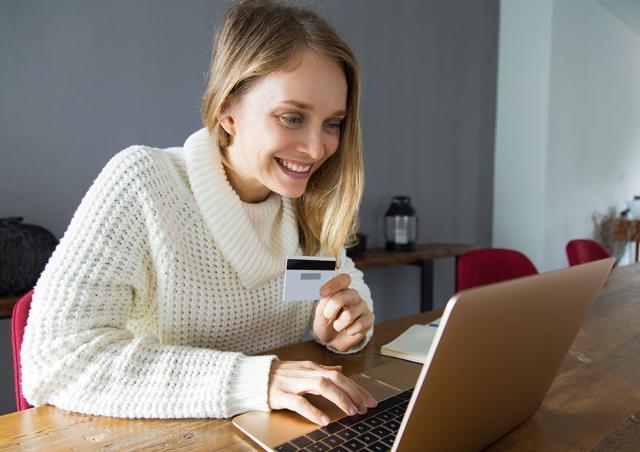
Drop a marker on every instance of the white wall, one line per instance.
(587, 158)
(520, 177)
(594, 120)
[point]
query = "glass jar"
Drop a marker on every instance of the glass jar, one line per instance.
(401, 225)
(635, 207)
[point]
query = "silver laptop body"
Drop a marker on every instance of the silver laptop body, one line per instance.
(489, 367)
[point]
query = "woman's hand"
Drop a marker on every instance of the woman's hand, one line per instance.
(342, 317)
(290, 380)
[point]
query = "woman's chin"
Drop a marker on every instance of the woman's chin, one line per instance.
(290, 192)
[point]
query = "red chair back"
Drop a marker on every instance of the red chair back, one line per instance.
(18, 322)
(585, 250)
(491, 265)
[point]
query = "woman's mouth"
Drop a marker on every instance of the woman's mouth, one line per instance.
(293, 169)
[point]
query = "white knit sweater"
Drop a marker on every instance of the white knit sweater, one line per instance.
(162, 285)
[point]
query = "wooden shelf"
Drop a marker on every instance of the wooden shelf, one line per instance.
(422, 257)
(382, 258)
(6, 305)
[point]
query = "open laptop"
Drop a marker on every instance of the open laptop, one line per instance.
(489, 367)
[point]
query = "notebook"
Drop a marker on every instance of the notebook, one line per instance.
(413, 344)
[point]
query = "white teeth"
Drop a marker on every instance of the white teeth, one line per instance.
(293, 166)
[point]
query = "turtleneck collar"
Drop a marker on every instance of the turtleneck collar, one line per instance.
(254, 238)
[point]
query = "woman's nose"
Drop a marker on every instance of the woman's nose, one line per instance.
(314, 145)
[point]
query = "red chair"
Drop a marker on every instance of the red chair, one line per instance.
(18, 322)
(585, 250)
(491, 265)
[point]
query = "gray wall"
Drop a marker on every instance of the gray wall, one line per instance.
(81, 80)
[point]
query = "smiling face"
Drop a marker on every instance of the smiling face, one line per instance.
(284, 128)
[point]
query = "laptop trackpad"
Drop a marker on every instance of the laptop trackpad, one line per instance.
(399, 374)
(378, 390)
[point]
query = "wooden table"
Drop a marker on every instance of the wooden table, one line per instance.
(590, 404)
(423, 257)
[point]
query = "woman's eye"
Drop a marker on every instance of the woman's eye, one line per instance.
(292, 120)
(334, 126)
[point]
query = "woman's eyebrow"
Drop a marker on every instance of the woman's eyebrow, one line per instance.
(304, 106)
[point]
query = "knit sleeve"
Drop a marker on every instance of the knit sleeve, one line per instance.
(78, 353)
(358, 284)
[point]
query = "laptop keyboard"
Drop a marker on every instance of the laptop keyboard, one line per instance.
(374, 431)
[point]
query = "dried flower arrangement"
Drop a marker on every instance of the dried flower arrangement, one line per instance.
(614, 232)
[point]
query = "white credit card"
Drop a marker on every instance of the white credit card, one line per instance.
(305, 275)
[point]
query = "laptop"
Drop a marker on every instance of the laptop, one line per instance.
(491, 363)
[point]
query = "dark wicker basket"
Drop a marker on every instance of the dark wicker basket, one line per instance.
(24, 252)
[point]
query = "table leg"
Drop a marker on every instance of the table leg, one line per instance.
(455, 274)
(426, 285)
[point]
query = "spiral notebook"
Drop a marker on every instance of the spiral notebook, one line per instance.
(413, 344)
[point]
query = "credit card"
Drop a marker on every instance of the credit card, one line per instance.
(305, 275)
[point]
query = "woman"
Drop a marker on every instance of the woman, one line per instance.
(171, 270)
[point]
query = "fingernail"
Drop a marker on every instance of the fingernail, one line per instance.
(353, 411)
(372, 402)
(324, 420)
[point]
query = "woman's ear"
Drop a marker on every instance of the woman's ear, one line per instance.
(226, 118)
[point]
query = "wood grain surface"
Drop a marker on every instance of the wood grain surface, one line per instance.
(591, 403)
(382, 258)
(625, 437)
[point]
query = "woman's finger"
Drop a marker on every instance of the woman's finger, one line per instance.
(370, 399)
(331, 384)
(361, 325)
(359, 396)
(339, 301)
(349, 315)
(303, 407)
(346, 318)
(319, 314)
(336, 367)
(287, 367)
(305, 369)
(336, 284)
(325, 387)
(321, 305)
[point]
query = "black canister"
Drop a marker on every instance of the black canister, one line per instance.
(401, 225)
(24, 252)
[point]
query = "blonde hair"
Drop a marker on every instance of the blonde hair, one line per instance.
(258, 37)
